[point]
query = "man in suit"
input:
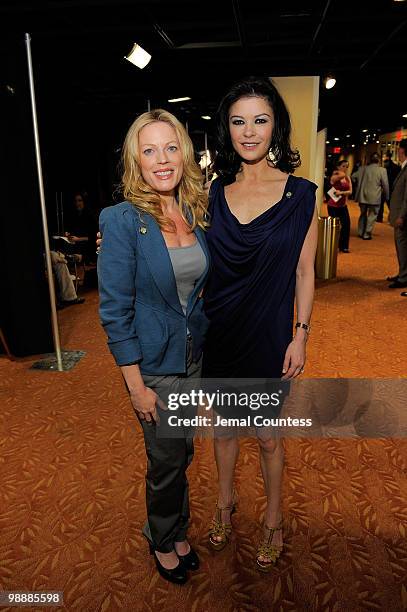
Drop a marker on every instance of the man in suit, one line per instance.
(392, 170)
(398, 219)
(371, 182)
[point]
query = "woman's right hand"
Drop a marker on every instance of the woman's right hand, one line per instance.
(145, 401)
(98, 241)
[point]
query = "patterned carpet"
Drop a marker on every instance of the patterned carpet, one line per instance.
(72, 477)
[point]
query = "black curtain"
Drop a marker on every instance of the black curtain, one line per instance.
(25, 308)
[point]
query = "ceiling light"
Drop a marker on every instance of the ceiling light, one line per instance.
(327, 141)
(353, 146)
(329, 81)
(138, 56)
(364, 130)
(336, 138)
(405, 115)
(207, 117)
(179, 99)
(347, 135)
(377, 141)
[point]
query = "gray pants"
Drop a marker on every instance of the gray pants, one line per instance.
(367, 219)
(400, 239)
(167, 497)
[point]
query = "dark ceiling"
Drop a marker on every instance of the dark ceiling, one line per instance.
(199, 48)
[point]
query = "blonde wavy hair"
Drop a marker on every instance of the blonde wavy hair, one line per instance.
(192, 199)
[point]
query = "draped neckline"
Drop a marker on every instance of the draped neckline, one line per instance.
(264, 211)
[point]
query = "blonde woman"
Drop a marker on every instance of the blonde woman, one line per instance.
(152, 266)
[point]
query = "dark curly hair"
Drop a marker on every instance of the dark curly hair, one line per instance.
(227, 162)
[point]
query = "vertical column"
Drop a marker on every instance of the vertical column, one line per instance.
(301, 95)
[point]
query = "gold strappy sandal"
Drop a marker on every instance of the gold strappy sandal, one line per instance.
(220, 529)
(267, 550)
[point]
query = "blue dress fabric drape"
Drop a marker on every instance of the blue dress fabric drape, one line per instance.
(249, 297)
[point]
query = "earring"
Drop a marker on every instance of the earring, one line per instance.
(272, 156)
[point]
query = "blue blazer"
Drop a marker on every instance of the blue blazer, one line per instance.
(139, 305)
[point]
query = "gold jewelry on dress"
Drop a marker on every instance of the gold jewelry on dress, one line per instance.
(267, 550)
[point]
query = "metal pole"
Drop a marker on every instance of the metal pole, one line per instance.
(148, 105)
(51, 288)
(206, 158)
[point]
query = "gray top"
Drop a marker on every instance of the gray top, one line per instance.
(189, 264)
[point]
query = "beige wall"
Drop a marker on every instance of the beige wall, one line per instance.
(391, 142)
(320, 162)
(301, 95)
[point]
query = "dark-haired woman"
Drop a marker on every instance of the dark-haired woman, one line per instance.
(262, 242)
(82, 227)
(338, 206)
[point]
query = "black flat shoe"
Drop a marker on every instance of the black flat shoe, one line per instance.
(190, 560)
(178, 575)
(397, 285)
(392, 278)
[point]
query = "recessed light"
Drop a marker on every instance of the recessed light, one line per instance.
(405, 115)
(179, 99)
(336, 138)
(364, 130)
(353, 146)
(327, 141)
(207, 117)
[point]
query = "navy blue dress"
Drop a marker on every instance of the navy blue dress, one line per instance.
(249, 297)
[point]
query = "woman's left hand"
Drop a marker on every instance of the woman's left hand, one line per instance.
(294, 360)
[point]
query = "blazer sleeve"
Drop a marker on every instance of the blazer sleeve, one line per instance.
(403, 212)
(117, 265)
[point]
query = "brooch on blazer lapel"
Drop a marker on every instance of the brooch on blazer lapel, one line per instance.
(142, 229)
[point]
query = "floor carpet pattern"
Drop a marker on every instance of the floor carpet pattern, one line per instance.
(72, 474)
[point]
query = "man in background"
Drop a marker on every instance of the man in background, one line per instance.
(398, 219)
(392, 170)
(371, 185)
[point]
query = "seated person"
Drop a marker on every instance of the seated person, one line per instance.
(67, 295)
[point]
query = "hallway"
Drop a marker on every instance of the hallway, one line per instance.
(72, 473)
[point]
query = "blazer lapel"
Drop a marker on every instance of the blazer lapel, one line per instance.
(153, 245)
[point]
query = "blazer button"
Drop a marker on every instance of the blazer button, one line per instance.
(143, 230)
(288, 194)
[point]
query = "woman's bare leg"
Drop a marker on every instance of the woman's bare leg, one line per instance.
(272, 465)
(226, 454)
